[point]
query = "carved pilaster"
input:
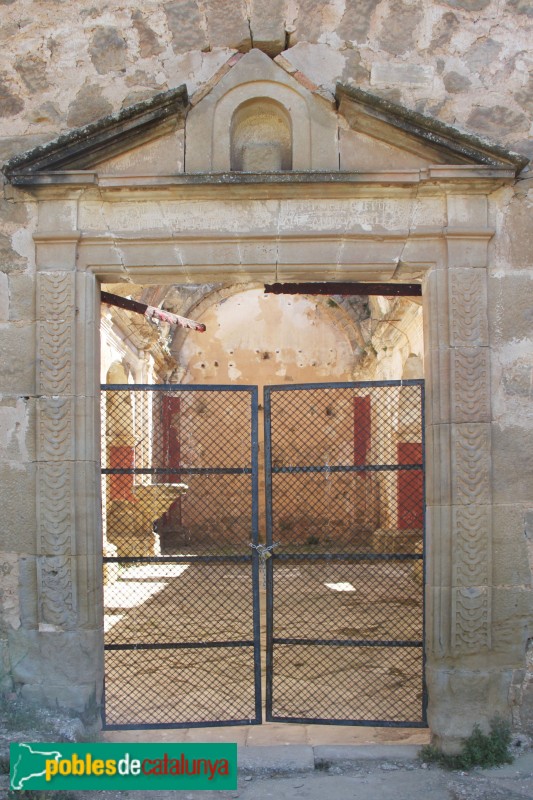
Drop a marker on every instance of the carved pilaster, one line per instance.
(470, 413)
(55, 454)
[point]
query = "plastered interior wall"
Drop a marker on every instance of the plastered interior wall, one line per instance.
(467, 62)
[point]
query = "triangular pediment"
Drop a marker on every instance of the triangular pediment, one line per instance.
(425, 137)
(353, 132)
(106, 139)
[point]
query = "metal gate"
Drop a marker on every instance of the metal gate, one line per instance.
(343, 559)
(180, 580)
(345, 527)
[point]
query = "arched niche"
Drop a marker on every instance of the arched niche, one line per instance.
(260, 137)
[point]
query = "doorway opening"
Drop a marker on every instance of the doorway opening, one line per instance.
(332, 469)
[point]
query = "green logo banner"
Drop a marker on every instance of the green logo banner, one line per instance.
(108, 766)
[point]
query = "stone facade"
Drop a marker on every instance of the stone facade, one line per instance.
(407, 203)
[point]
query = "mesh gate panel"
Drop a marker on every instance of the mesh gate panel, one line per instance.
(181, 590)
(345, 501)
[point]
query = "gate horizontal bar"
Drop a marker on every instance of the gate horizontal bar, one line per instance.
(174, 387)
(350, 468)
(347, 556)
(368, 723)
(185, 559)
(351, 642)
(158, 726)
(291, 387)
(180, 471)
(179, 645)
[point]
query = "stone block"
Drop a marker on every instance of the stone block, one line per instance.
(89, 105)
(466, 211)
(32, 70)
(149, 42)
(397, 31)
(355, 23)
(57, 658)
(469, 5)
(460, 698)
(10, 260)
(443, 31)
(520, 7)
(438, 385)
(18, 524)
(321, 64)
(471, 463)
(185, 25)
(438, 546)
(267, 25)
(22, 297)
(455, 82)
(71, 697)
(438, 458)
(512, 460)
(468, 308)
(227, 24)
(312, 20)
(512, 609)
(10, 103)
(510, 300)
(497, 121)
(437, 621)
(17, 358)
(470, 384)
(17, 429)
(401, 74)
(510, 562)
(108, 50)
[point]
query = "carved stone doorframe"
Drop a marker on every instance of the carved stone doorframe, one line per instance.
(447, 253)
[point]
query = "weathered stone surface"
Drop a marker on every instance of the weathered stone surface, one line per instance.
(149, 44)
(17, 373)
(47, 113)
(107, 50)
(11, 145)
(443, 30)
(310, 21)
(318, 62)
(512, 463)
(9, 259)
(18, 512)
(509, 548)
(405, 74)
(21, 297)
(267, 25)
(10, 104)
(468, 5)
(32, 70)
(186, 26)
(482, 54)
(88, 106)
(496, 121)
(455, 82)
(227, 24)
(398, 29)
(355, 23)
(520, 7)
(511, 307)
(525, 97)
(353, 69)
